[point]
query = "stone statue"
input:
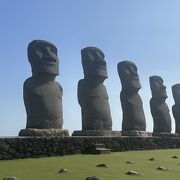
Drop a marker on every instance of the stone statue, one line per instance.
(42, 94)
(159, 109)
(176, 106)
(132, 106)
(92, 94)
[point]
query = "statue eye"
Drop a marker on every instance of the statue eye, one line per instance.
(54, 50)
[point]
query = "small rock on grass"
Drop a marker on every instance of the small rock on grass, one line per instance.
(132, 173)
(63, 170)
(92, 178)
(151, 159)
(161, 168)
(10, 178)
(101, 165)
(130, 162)
(175, 157)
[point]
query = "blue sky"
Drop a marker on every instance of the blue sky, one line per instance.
(146, 32)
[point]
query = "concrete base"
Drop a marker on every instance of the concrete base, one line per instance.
(44, 132)
(106, 133)
(136, 133)
(164, 134)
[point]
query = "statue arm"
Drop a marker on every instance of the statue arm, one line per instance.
(80, 92)
(25, 97)
(174, 112)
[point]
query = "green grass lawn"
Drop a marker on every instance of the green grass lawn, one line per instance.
(81, 166)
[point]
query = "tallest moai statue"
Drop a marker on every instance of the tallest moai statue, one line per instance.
(42, 94)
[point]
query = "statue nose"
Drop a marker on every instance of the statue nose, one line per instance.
(133, 72)
(163, 87)
(101, 63)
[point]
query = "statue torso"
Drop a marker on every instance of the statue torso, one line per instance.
(161, 116)
(43, 102)
(94, 106)
(133, 113)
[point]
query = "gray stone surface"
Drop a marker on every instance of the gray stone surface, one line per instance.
(31, 147)
(42, 94)
(92, 94)
(10, 178)
(107, 133)
(152, 159)
(132, 173)
(163, 134)
(159, 108)
(92, 178)
(136, 133)
(130, 162)
(176, 106)
(44, 132)
(132, 106)
(63, 170)
(161, 168)
(101, 165)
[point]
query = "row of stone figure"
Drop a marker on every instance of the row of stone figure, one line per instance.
(43, 96)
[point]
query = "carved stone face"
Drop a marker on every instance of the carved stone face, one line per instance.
(42, 56)
(176, 93)
(128, 75)
(93, 63)
(157, 87)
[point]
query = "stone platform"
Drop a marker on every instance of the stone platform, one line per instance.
(105, 133)
(136, 133)
(163, 134)
(32, 147)
(44, 132)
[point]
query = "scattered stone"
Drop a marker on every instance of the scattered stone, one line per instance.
(130, 162)
(101, 165)
(151, 159)
(132, 173)
(92, 178)
(64, 170)
(161, 168)
(175, 157)
(10, 178)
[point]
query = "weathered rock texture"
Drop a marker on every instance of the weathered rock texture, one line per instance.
(42, 94)
(132, 106)
(92, 94)
(20, 147)
(159, 108)
(176, 106)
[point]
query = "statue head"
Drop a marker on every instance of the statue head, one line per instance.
(127, 71)
(43, 58)
(176, 93)
(158, 89)
(93, 63)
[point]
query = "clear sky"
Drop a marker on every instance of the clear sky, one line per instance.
(146, 32)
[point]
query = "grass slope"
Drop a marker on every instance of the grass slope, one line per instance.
(81, 166)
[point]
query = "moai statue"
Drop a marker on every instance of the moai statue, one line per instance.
(176, 106)
(92, 94)
(42, 94)
(133, 122)
(158, 106)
